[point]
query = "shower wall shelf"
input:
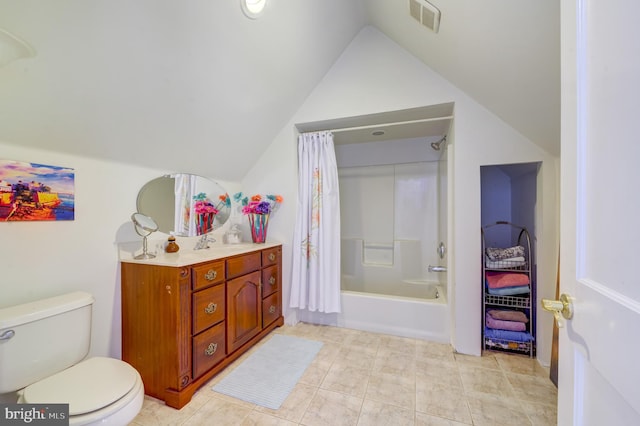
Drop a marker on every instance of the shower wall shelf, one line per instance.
(508, 289)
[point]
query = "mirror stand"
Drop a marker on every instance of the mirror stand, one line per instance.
(145, 252)
(144, 226)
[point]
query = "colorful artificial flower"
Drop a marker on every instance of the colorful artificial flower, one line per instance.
(203, 205)
(258, 204)
(225, 199)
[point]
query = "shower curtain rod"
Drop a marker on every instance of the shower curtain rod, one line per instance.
(398, 123)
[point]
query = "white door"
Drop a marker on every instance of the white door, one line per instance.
(599, 359)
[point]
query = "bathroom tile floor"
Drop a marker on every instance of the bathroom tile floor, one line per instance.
(362, 378)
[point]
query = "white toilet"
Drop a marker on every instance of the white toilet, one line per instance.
(42, 348)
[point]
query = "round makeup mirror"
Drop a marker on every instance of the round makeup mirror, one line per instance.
(144, 226)
(185, 205)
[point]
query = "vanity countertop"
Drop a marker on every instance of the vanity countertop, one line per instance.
(186, 257)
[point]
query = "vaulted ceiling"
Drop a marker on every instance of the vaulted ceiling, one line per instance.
(168, 84)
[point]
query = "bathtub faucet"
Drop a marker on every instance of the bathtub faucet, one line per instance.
(437, 268)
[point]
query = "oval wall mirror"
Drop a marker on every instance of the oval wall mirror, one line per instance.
(184, 204)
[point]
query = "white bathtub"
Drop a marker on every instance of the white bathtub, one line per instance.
(418, 309)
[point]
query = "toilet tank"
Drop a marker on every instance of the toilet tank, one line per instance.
(38, 339)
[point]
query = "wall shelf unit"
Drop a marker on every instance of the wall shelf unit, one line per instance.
(508, 288)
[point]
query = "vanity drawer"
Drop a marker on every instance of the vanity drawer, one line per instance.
(271, 309)
(270, 280)
(270, 256)
(208, 307)
(207, 274)
(208, 349)
(244, 264)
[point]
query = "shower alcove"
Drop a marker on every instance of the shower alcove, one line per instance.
(392, 171)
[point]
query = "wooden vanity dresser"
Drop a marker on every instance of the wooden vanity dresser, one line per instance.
(182, 324)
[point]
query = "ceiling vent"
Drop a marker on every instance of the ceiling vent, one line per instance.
(425, 13)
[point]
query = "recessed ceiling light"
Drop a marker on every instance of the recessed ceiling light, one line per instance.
(253, 8)
(377, 132)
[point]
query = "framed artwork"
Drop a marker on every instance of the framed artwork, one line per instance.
(31, 191)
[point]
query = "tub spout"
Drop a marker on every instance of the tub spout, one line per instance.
(437, 268)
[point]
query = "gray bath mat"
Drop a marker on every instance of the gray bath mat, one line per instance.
(268, 375)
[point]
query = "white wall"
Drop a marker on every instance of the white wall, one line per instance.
(376, 75)
(43, 259)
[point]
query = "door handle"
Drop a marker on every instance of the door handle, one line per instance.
(562, 308)
(437, 268)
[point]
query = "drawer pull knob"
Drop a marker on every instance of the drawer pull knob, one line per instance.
(272, 309)
(211, 275)
(211, 349)
(272, 280)
(272, 257)
(211, 308)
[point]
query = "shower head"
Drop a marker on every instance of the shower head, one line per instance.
(436, 145)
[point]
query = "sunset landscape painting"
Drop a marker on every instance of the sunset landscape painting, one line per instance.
(31, 191)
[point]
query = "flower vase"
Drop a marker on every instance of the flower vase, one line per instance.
(204, 223)
(258, 224)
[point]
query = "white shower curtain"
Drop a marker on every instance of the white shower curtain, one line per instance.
(316, 241)
(185, 189)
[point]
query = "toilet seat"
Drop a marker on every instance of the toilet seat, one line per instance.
(88, 386)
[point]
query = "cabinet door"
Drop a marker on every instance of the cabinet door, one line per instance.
(244, 310)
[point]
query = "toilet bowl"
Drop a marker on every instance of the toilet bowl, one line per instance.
(43, 352)
(98, 390)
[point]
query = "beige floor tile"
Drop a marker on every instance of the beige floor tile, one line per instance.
(443, 373)
(475, 379)
(156, 413)
(378, 413)
(494, 410)
(521, 365)
(533, 388)
(397, 363)
(423, 419)
(435, 351)
(363, 339)
(256, 418)
(484, 361)
(362, 357)
(392, 389)
(329, 408)
(398, 344)
(442, 401)
(346, 379)
(541, 414)
(220, 412)
(330, 334)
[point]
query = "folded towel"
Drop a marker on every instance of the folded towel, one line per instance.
(506, 279)
(508, 291)
(494, 253)
(505, 325)
(508, 315)
(512, 262)
(515, 336)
